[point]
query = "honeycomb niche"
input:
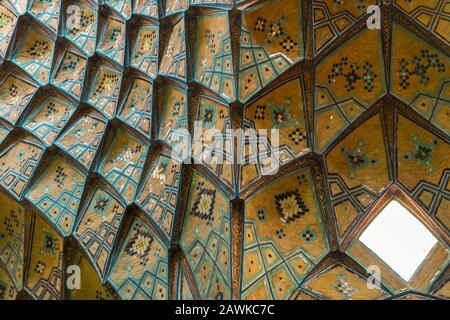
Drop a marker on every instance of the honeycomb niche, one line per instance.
(100, 102)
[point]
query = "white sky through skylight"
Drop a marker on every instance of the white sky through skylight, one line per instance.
(399, 239)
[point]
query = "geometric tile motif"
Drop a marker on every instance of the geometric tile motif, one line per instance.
(44, 281)
(147, 8)
(271, 41)
(174, 6)
(332, 18)
(284, 236)
(17, 165)
(82, 139)
(214, 154)
(69, 73)
(8, 21)
(282, 109)
(112, 40)
(47, 12)
(104, 93)
(340, 283)
(136, 110)
(420, 76)
(206, 238)
(433, 15)
(141, 269)
(49, 118)
(173, 62)
(34, 55)
(57, 194)
(122, 7)
(8, 290)
(123, 164)
(12, 99)
(12, 232)
(159, 193)
(144, 56)
(213, 65)
(174, 119)
(347, 82)
(98, 228)
(83, 36)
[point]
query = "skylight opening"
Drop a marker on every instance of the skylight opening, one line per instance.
(399, 239)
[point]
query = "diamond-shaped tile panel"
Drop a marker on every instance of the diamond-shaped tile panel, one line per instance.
(15, 94)
(69, 74)
(12, 234)
(123, 164)
(159, 193)
(174, 60)
(104, 91)
(49, 118)
(144, 56)
(214, 65)
(47, 12)
(136, 110)
(17, 165)
(80, 26)
(147, 8)
(112, 39)
(57, 194)
(8, 21)
(83, 138)
(98, 228)
(34, 54)
(141, 268)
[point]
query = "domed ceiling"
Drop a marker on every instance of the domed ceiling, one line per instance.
(96, 96)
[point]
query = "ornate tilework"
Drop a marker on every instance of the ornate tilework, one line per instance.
(206, 238)
(145, 50)
(49, 118)
(98, 228)
(17, 165)
(173, 62)
(12, 234)
(83, 138)
(141, 269)
(123, 163)
(159, 193)
(112, 40)
(57, 194)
